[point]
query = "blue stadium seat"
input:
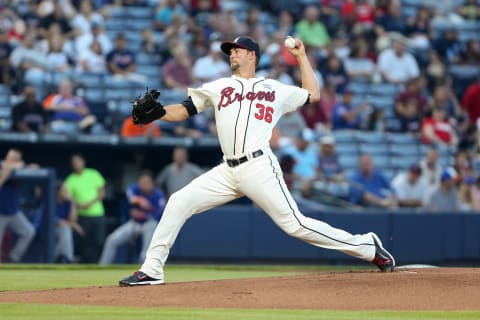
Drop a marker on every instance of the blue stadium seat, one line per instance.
(402, 138)
(149, 70)
(5, 99)
(374, 149)
(344, 135)
(140, 12)
(381, 161)
(90, 79)
(348, 160)
(147, 58)
(400, 149)
(345, 147)
(118, 94)
(384, 89)
(95, 95)
(403, 162)
(371, 137)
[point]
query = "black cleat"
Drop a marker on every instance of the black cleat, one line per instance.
(383, 259)
(139, 278)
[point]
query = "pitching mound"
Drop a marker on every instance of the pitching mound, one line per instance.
(414, 289)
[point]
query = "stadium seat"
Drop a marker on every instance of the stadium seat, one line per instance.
(348, 160)
(401, 138)
(347, 148)
(374, 148)
(371, 137)
(149, 70)
(140, 13)
(384, 89)
(95, 95)
(344, 135)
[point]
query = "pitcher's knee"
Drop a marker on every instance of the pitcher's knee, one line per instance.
(28, 232)
(179, 203)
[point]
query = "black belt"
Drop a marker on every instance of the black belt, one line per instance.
(235, 162)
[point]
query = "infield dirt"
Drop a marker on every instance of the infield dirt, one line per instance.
(406, 289)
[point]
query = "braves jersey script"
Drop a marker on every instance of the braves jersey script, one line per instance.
(246, 110)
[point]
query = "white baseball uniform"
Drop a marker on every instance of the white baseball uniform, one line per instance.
(246, 111)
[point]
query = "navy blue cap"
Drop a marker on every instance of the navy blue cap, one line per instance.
(241, 42)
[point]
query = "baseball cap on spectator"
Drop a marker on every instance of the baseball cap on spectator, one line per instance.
(241, 42)
(307, 135)
(448, 174)
(215, 47)
(415, 168)
(327, 139)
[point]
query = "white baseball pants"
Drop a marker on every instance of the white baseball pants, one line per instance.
(261, 180)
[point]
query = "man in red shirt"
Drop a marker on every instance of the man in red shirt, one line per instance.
(471, 101)
(437, 129)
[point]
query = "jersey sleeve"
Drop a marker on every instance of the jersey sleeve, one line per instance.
(294, 97)
(201, 97)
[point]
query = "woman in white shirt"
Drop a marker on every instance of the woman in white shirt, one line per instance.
(92, 60)
(358, 65)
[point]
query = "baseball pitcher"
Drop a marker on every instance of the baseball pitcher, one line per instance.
(246, 110)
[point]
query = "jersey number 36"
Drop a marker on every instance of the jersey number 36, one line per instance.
(264, 113)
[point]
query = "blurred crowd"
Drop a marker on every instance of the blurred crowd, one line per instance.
(386, 68)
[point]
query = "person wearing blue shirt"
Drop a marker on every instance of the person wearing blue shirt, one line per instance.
(10, 214)
(146, 204)
(345, 115)
(370, 187)
(305, 154)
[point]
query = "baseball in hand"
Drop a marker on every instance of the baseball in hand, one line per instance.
(290, 42)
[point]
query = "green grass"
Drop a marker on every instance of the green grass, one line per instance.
(73, 276)
(48, 312)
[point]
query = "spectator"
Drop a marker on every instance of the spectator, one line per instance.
(285, 25)
(166, 9)
(84, 19)
(148, 42)
(329, 167)
(410, 105)
(334, 73)
(310, 30)
(345, 115)
(212, 66)
(410, 188)
(92, 60)
(467, 195)
(364, 16)
(177, 174)
(392, 21)
(5, 51)
(31, 64)
(448, 46)
(28, 115)
(121, 62)
(177, 72)
(328, 101)
(86, 188)
(66, 218)
(396, 65)
(369, 186)
(314, 117)
(436, 71)
(84, 42)
(305, 154)
(56, 17)
(443, 97)
(359, 66)
(470, 10)
(376, 121)
(58, 59)
(444, 198)
(69, 113)
(431, 170)
(131, 130)
(277, 68)
(10, 214)
(418, 28)
(437, 130)
(471, 101)
(471, 54)
(146, 205)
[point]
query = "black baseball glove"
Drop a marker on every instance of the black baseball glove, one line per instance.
(146, 108)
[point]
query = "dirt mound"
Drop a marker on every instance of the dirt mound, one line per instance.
(414, 289)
